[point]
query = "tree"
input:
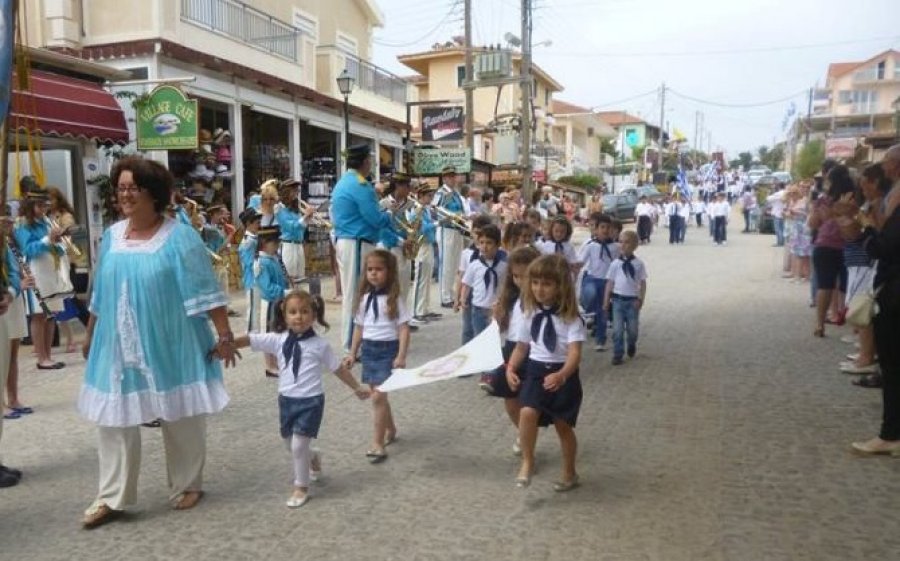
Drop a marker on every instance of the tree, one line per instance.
(608, 146)
(746, 160)
(637, 153)
(809, 160)
(589, 182)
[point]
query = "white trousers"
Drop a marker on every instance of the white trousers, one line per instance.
(4, 367)
(420, 296)
(350, 255)
(450, 246)
(120, 460)
(403, 271)
(254, 304)
(294, 259)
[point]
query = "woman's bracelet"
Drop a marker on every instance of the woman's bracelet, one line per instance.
(227, 337)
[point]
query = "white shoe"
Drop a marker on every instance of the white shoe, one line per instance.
(600, 347)
(848, 339)
(417, 323)
(851, 368)
(852, 356)
(517, 448)
(295, 502)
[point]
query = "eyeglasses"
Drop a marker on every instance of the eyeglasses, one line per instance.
(129, 189)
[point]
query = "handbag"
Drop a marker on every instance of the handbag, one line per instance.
(862, 308)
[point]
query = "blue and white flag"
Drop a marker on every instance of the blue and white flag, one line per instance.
(7, 39)
(683, 186)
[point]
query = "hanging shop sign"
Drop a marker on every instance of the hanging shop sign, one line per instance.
(430, 161)
(166, 120)
(442, 124)
(840, 148)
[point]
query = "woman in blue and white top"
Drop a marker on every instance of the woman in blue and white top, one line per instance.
(149, 341)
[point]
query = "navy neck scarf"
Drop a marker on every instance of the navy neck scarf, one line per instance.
(291, 350)
(490, 272)
(539, 318)
(372, 301)
(627, 267)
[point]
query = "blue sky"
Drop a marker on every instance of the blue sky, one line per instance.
(720, 52)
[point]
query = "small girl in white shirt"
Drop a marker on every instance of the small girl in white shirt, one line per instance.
(302, 356)
(381, 339)
(550, 335)
(558, 242)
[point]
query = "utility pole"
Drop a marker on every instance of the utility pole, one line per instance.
(525, 89)
(696, 128)
(662, 115)
(470, 93)
(808, 115)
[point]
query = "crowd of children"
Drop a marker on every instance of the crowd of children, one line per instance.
(530, 279)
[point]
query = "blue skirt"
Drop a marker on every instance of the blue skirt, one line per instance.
(499, 385)
(563, 404)
(377, 358)
(300, 415)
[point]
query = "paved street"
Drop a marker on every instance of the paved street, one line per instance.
(725, 439)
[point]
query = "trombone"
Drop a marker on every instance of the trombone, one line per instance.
(66, 239)
(318, 219)
(455, 220)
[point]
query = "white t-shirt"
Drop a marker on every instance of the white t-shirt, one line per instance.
(719, 208)
(777, 202)
(566, 332)
(685, 210)
(644, 209)
(383, 328)
(515, 322)
(624, 285)
(548, 247)
(316, 357)
(483, 296)
(596, 260)
(466, 258)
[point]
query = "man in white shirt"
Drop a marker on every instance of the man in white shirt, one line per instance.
(776, 209)
(719, 212)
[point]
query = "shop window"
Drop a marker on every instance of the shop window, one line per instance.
(460, 75)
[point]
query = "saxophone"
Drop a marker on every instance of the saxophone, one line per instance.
(413, 229)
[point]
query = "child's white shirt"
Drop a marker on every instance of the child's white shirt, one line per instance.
(548, 247)
(566, 332)
(596, 260)
(316, 357)
(466, 258)
(515, 322)
(483, 296)
(384, 328)
(624, 285)
(644, 209)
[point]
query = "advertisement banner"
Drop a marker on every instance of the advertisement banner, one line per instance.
(430, 161)
(481, 354)
(442, 124)
(167, 120)
(840, 148)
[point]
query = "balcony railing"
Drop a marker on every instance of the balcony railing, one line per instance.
(376, 80)
(240, 22)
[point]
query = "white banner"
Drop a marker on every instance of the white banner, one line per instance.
(481, 354)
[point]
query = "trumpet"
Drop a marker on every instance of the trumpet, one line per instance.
(66, 239)
(317, 217)
(455, 220)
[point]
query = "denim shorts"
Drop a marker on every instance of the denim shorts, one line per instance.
(300, 415)
(377, 358)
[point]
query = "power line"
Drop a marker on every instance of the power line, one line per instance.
(627, 99)
(431, 32)
(893, 38)
(737, 105)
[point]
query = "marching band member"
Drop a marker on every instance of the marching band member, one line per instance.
(272, 284)
(9, 289)
(247, 253)
(393, 239)
(420, 296)
(293, 224)
(46, 255)
(450, 238)
(213, 234)
(358, 221)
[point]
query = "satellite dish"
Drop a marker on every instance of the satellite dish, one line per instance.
(512, 39)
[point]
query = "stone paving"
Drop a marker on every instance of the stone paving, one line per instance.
(726, 438)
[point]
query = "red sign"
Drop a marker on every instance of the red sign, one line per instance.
(840, 148)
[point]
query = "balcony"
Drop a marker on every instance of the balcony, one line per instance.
(376, 89)
(244, 24)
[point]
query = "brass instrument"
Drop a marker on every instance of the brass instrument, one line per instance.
(66, 239)
(413, 229)
(455, 220)
(318, 219)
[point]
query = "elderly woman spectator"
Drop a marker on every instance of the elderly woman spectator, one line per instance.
(799, 240)
(507, 208)
(569, 208)
(882, 242)
(149, 343)
(473, 200)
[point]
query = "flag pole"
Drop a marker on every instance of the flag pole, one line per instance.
(4, 128)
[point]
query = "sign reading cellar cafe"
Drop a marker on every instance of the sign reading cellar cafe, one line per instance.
(166, 120)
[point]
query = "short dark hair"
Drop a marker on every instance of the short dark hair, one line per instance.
(149, 176)
(479, 221)
(600, 218)
(875, 174)
(491, 231)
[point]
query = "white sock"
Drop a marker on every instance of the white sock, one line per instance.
(300, 451)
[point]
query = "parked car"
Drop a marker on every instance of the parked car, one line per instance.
(644, 190)
(766, 182)
(783, 177)
(620, 205)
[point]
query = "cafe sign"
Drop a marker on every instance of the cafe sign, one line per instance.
(442, 124)
(166, 120)
(430, 161)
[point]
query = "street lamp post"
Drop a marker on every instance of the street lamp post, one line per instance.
(345, 83)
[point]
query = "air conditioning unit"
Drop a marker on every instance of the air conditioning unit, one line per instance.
(493, 64)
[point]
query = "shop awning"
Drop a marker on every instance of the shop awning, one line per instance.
(58, 105)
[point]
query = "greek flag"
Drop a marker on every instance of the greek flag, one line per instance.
(683, 186)
(7, 38)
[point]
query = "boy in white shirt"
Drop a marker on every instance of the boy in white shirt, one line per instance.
(626, 287)
(719, 212)
(597, 254)
(482, 279)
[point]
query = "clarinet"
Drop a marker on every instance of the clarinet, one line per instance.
(23, 264)
(284, 271)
